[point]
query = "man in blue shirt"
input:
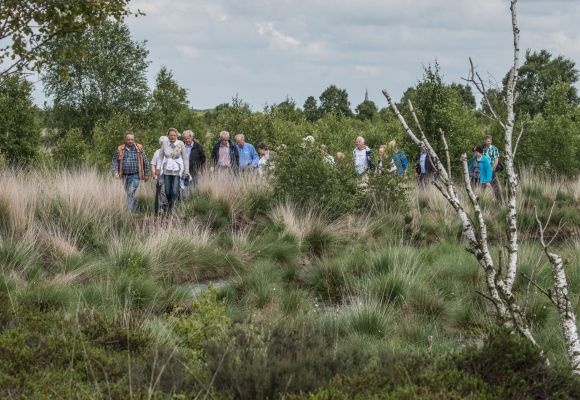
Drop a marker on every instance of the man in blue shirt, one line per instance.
(248, 155)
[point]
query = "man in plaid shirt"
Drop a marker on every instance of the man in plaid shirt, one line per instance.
(493, 153)
(130, 164)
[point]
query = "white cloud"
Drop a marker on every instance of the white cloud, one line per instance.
(277, 38)
(267, 49)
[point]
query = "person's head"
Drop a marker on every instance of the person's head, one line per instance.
(240, 139)
(478, 150)
(162, 140)
(324, 149)
(224, 137)
(382, 150)
(129, 139)
(187, 137)
(423, 148)
(339, 156)
(172, 135)
(360, 142)
(262, 149)
(392, 145)
(308, 141)
(487, 140)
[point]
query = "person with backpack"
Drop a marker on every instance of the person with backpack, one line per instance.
(483, 163)
(130, 164)
(399, 157)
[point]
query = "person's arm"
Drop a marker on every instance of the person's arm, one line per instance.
(145, 165)
(202, 158)
(255, 157)
(185, 160)
(116, 173)
(495, 160)
(160, 161)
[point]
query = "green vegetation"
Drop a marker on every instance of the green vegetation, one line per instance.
(301, 303)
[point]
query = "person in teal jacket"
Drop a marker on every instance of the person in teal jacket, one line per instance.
(482, 162)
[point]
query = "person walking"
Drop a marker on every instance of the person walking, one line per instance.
(264, 164)
(172, 161)
(362, 156)
(247, 153)
(130, 164)
(196, 164)
(224, 154)
(484, 164)
(399, 157)
(160, 198)
(492, 153)
(382, 163)
(325, 156)
(424, 169)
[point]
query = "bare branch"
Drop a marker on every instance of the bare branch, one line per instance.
(537, 286)
(518, 138)
(417, 124)
(446, 148)
(475, 79)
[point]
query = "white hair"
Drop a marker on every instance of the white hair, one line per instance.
(224, 135)
(187, 132)
(360, 138)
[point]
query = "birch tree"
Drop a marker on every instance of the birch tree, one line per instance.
(499, 286)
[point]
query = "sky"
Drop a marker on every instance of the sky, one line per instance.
(266, 50)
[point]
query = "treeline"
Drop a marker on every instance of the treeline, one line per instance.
(99, 90)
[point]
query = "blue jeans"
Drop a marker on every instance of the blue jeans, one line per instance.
(131, 183)
(171, 183)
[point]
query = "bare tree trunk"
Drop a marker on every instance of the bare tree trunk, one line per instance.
(509, 160)
(559, 297)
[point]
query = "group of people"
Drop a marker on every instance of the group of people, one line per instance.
(177, 164)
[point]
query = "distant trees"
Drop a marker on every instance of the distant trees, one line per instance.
(94, 79)
(19, 128)
(335, 100)
(29, 28)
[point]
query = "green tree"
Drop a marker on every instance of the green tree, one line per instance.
(439, 105)
(19, 129)
(366, 110)
(465, 93)
(168, 99)
(335, 100)
(551, 141)
(104, 77)
(29, 28)
(311, 110)
(537, 74)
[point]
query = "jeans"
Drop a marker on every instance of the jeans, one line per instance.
(131, 183)
(171, 184)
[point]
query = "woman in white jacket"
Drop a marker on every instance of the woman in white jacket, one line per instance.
(172, 165)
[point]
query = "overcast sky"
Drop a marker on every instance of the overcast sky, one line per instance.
(265, 50)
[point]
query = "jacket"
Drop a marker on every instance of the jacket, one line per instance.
(196, 158)
(429, 168)
(485, 171)
(369, 152)
(234, 155)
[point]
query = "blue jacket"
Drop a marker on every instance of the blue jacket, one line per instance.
(485, 172)
(401, 161)
(248, 156)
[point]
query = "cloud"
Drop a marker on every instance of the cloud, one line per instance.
(277, 38)
(187, 51)
(268, 49)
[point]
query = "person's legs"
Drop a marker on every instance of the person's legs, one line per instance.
(171, 183)
(131, 186)
(496, 189)
(184, 192)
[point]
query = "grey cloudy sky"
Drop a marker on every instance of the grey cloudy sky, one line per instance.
(265, 50)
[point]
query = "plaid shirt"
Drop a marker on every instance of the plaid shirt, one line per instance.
(130, 162)
(492, 152)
